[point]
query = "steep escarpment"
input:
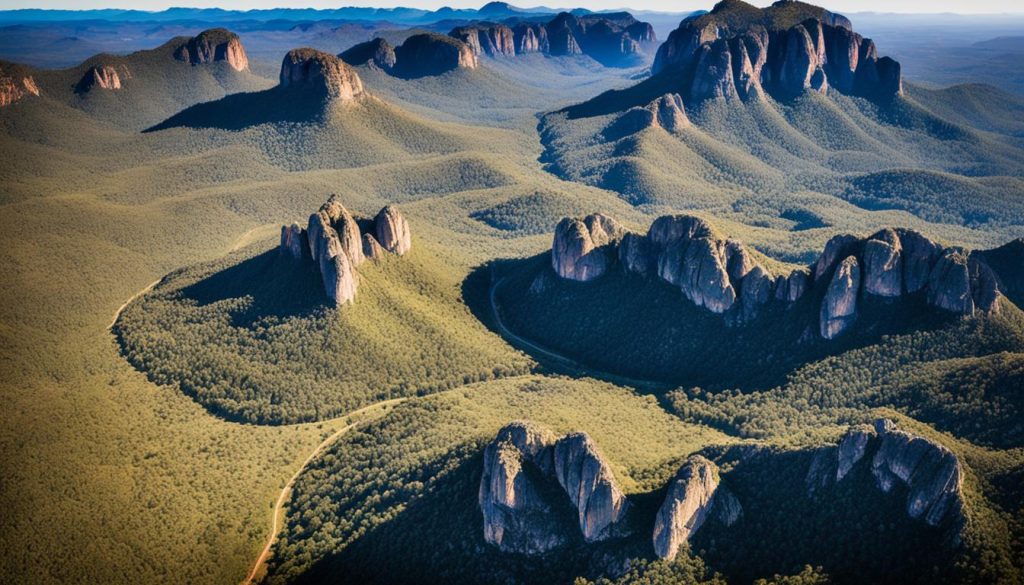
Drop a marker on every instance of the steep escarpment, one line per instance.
(213, 45)
(725, 277)
(432, 54)
(522, 466)
(738, 51)
(108, 77)
(320, 73)
(694, 496)
(378, 52)
(333, 243)
(612, 39)
(16, 83)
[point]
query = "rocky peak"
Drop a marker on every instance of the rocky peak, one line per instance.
(694, 495)
(839, 307)
(487, 39)
(337, 248)
(321, 73)
(531, 38)
(588, 480)
(16, 83)
(666, 112)
(216, 44)
(582, 248)
(393, 231)
(737, 51)
(523, 456)
(102, 77)
(432, 54)
(377, 52)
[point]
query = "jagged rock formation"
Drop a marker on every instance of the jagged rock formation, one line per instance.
(738, 51)
(530, 38)
(432, 54)
(666, 112)
(693, 496)
(321, 73)
(337, 248)
(517, 517)
(377, 52)
(590, 484)
(487, 39)
(725, 277)
(102, 77)
(582, 249)
(16, 83)
(929, 472)
(216, 44)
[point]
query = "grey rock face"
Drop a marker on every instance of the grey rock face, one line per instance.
(919, 257)
(372, 248)
(393, 231)
(693, 496)
(851, 449)
(516, 518)
(883, 264)
(791, 288)
(336, 270)
(582, 249)
(669, 229)
(839, 308)
(635, 254)
(930, 472)
(293, 241)
(949, 285)
(836, 248)
(491, 39)
(590, 484)
(713, 78)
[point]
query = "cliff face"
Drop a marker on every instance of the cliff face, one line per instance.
(725, 277)
(212, 45)
(519, 462)
(738, 51)
(337, 248)
(106, 77)
(16, 83)
(487, 39)
(694, 495)
(321, 74)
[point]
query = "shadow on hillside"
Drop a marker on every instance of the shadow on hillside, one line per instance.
(278, 286)
(242, 110)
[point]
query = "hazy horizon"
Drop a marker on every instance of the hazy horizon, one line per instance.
(848, 6)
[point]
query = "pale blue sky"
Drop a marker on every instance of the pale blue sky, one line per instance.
(847, 6)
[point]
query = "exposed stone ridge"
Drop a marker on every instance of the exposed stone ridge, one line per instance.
(321, 73)
(666, 112)
(487, 38)
(930, 473)
(518, 462)
(106, 77)
(377, 52)
(611, 38)
(16, 83)
(738, 51)
(216, 44)
(337, 248)
(724, 276)
(694, 495)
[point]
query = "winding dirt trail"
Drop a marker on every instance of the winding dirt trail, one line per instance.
(282, 498)
(117, 313)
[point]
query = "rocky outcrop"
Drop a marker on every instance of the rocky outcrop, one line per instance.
(293, 241)
(321, 74)
(432, 54)
(929, 473)
(725, 277)
(377, 52)
(337, 248)
(839, 307)
(16, 83)
(583, 248)
(588, 480)
(530, 38)
(517, 505)
(666, 112)
(489, 39)
(694, 495)
(738, 51)
(102, 77)
(213, 45)
(393, 231)
(517, 518)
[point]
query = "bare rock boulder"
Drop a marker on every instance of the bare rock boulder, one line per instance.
(839, 307)
(883, 264)
(588, 480)
(293, 241)
(582, 249)
(393, 230)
